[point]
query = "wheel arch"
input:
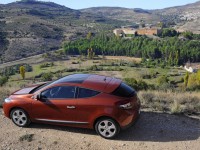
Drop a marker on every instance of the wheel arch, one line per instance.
(104, 117)
(10, 111)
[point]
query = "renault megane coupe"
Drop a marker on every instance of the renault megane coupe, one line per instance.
(97, 102)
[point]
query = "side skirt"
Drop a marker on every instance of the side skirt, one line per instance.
(61, 121)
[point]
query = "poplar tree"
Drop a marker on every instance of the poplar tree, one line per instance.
(22, 72)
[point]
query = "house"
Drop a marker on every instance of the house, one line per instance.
(192, 67)
(141, 31)
(149, 31)
(124, 31)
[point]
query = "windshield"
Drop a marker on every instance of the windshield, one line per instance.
(39, 87)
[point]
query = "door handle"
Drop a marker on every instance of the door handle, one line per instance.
(71, 107)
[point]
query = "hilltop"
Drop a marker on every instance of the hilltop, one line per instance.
(186, 17)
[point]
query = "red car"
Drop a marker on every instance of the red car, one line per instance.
(98, 102)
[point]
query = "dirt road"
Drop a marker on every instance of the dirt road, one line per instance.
(153, 131)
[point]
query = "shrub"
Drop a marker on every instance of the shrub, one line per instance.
(75, 62)
(171, 102)
(45, 65)
(26, 137)
(146, 76)
(137, 85)
(3, 80)
(142, 85)
(131, 82)
(3, 94)
(163, 80)
(47, 76)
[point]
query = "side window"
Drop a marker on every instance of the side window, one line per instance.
(59, 92)
(85, 93)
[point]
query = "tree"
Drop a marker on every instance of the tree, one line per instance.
(177, 58)
(170, 59)
(89, 35)
(198, 77)
(186, 79)
(22, 72)
(91, 54)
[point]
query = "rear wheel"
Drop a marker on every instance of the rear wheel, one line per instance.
(20, 117)
(107, 128)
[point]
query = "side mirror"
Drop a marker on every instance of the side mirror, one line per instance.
(38, 97)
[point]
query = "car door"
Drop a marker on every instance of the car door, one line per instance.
(57, 104)
(86, 104)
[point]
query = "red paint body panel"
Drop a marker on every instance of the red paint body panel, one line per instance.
(86, 111)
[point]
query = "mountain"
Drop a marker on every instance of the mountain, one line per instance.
(122, 14)
(35, 27)
(32, 27)
(187, 17)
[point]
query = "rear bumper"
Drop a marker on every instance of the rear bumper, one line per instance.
(134, 121)
(134, 118)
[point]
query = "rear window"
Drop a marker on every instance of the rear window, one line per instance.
(86, 93)
(124, 91)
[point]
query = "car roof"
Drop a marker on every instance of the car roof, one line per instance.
(91, 81)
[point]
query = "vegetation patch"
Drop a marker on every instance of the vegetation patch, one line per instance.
(26, 137)
(172, 102)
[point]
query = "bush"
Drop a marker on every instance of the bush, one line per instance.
(47, 76)
(45, 65)
(163, 80)
(75, 62)
(137, 85)
(26, 137)
(3, 94)
(172, 102)
(142, 85)
(3, 80)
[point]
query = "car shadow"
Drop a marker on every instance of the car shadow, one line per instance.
(160, 127)
(156, 127)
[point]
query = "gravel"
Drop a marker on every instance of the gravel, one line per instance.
(152, 131)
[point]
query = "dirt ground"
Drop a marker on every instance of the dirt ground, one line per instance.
(153, 131)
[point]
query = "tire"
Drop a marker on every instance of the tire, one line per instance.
(107, 128)
(20, 117)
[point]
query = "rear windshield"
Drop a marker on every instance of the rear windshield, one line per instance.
(124, 91)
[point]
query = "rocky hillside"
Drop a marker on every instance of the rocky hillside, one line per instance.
(35, 27)
(32, 27)
(123, 14)
(187, 17)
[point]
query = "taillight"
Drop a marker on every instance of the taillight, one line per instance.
(126, 106)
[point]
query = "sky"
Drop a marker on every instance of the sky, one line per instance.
(145, 4)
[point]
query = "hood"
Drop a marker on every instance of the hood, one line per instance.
(26, 90)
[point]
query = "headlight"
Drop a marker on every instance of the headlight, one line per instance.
(7, 100)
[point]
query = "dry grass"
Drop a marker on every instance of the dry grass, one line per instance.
(131, 59)
(173, 102)
(5, 92)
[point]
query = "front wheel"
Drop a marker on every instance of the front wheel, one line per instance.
(107, 128)
(20, 117)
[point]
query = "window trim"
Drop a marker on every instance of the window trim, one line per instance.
(86, 89)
